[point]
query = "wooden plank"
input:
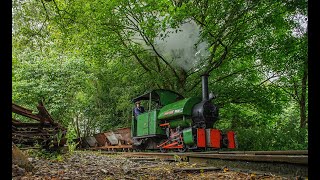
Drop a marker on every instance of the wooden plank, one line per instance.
(291, 152)
(30, 124)
(115, 147)
(35, 132)
(20, 108)
(298, 159)
(144, 167)
(32, 133)
(46, 117)
(16, 121)
(24, 112)
(31, 147)
(142, 159)
(199, 169)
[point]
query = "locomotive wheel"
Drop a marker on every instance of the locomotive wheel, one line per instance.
(163, 150)
(225, 141)
(184, 149)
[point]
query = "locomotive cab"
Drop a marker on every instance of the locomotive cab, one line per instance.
(146, 126)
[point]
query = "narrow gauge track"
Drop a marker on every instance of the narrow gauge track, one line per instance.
(292, 157)
(292, 163)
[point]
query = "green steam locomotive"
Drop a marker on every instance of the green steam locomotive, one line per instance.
(172, 122)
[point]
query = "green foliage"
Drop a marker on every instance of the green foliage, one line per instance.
(284, 137)
(266, 132)
(177, 158)
(80, 57)
(59, 137)
(71, 135)
(45, 154)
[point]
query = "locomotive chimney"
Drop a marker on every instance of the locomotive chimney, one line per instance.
(205, 91)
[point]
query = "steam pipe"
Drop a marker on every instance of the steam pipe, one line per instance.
(205, 90)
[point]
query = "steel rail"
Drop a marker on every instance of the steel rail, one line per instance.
(287, 152)
(292, 157)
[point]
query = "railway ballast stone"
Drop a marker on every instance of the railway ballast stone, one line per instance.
(88, 165)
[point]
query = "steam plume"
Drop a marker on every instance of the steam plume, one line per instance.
(181, 47)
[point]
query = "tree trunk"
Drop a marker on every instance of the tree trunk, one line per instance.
(303, 115)
(77, 127)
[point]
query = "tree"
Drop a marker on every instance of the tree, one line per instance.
(93, 57)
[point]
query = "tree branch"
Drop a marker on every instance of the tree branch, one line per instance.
(134, 54)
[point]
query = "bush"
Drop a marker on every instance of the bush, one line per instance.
(71, 135)
(45, 154)
(284, 137)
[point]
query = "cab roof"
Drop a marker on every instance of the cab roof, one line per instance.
(161, 96)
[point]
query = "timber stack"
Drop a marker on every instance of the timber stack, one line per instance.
(44, 132)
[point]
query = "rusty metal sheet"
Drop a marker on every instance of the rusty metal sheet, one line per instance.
(119, 136)
(91, 141)
(101, 139)
(112, 138)
(124, 134)
(123, 131)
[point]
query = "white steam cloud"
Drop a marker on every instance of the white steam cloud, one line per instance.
(181, 47)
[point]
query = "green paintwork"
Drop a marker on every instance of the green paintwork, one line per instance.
(183, 107)
(148, 124)
(161, 96)
(133, 127)
(188, 137)
(166, 97)
(183, 123)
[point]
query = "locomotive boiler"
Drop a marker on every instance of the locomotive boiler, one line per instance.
(172, 122)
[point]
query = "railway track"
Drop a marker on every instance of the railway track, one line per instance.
(292, 163)
(291, 157)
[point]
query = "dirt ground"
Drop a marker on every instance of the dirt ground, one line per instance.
(94, 165)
